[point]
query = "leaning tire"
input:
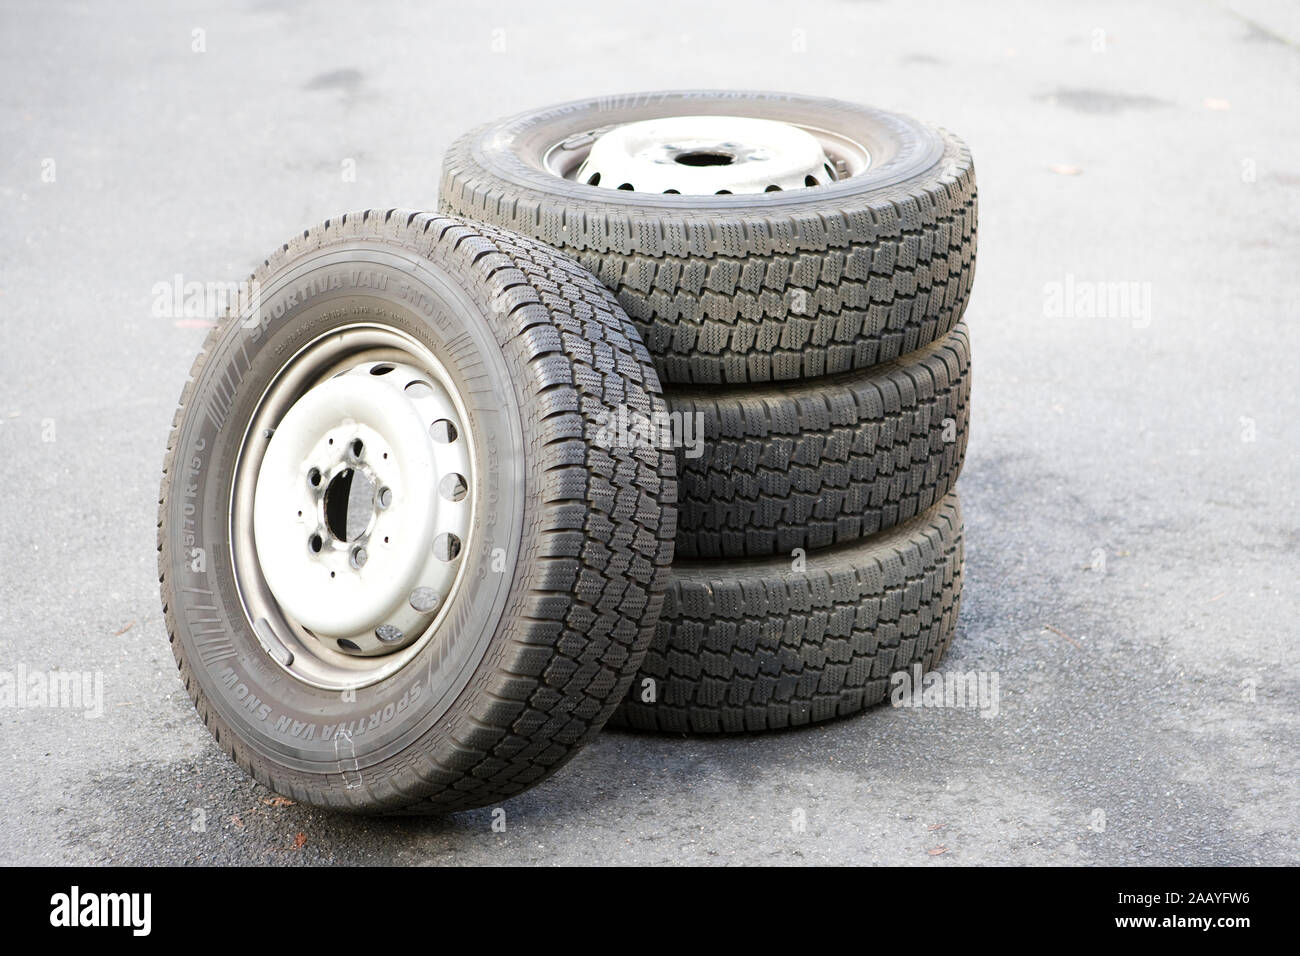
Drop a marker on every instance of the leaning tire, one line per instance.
(758, 645)
(779, 467)
(768, 286)
(524, 623)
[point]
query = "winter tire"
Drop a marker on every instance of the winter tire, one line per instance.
(770, 643)
(397, 571)
(783, 466)
(752, 237)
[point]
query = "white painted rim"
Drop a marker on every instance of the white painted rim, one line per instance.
(375, 592)
(710, 155)
(365, 622)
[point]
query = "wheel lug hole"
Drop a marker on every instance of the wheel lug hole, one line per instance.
(357, 447)
(385, 497)
(359, 557)
(315, 543)
(313, 477)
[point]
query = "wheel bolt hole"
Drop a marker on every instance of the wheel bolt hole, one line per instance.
(358, 558)
(315, 542)
(357, 448)
(313, 476)
(385, 497)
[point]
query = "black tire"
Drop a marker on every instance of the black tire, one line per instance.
(564, 573)
(814, 464)
(757, 645)
(747, 288)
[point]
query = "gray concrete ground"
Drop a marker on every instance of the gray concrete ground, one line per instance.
(1130, 494)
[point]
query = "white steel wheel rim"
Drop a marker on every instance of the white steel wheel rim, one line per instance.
(333, 617)
(707, 155)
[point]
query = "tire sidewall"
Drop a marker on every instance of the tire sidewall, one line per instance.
(901, 148)
(289, 722)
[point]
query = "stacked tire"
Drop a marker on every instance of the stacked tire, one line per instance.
(406, 568)
(816, 334)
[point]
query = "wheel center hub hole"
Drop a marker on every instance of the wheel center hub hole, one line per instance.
(349, 504)
(704, 157)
